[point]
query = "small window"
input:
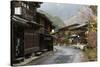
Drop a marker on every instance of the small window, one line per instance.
(18, 10)
(27, 7)
(22, 4)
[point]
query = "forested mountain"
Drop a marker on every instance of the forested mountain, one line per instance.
(57, 22)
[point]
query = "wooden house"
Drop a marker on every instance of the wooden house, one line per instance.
(66, 34)
(46, 40)
(23, 26)
(30, 30)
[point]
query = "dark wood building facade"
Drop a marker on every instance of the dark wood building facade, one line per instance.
(45, 38)
(30, 30)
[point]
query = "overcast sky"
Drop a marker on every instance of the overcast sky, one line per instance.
(64, 11)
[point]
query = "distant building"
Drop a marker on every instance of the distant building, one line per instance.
(67, 35)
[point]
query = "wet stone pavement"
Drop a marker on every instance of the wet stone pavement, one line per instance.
(61, 54)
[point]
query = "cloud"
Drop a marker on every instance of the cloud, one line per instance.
(64, 11)
(81, 17)
(69, 13)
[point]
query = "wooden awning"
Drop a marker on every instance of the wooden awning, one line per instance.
(34, 25)
(23, 22)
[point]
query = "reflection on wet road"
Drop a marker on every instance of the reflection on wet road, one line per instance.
(61, 54)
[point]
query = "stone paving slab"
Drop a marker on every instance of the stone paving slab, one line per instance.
(32, 58)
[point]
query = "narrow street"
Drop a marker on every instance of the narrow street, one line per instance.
(62, 54)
